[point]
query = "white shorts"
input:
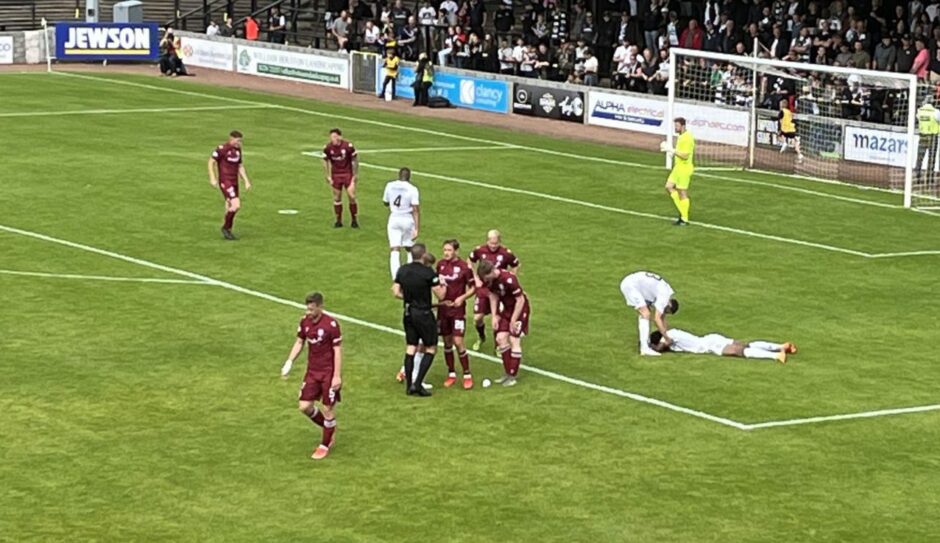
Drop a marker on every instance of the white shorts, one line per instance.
(632, 296)
(401, 229)
(716, 343)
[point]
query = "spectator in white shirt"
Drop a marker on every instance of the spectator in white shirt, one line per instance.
(212, 29)
(451, 7)
(590, 69)
(507, 62)
(371, 38)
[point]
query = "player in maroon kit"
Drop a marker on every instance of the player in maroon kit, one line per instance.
(225, 167)
(456, 275)
(510, 309)
(322, 381)
(341, 164)
(493, 252)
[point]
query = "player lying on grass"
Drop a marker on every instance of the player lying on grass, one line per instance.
(719, 345)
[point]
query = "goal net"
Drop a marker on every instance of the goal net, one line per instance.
(823, 123)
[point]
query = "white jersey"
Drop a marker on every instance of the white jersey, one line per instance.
(644, 289)
(401, 197)
(684, 342)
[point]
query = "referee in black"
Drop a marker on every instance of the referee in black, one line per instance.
(414, 284)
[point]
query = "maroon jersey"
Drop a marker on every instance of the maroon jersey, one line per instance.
(340, 157)
(456, 276)
(501, 257)
(506, 287)
(321, 336)
(229, 158)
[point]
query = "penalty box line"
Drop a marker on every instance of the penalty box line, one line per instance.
(538, 371)
(382, 328)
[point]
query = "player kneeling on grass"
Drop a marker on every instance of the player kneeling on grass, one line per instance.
(457, 278)
(322, 382)
(510, 310)
(719, 345)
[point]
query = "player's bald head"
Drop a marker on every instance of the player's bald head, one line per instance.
(418, 251)
(493, 237)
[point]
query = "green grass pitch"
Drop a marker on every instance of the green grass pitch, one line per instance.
(136, 411)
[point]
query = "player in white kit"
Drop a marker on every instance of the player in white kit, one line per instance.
(401, 198)
(719, 345)
(643, 290)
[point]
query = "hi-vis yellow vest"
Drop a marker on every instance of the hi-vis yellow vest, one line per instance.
(927, 122)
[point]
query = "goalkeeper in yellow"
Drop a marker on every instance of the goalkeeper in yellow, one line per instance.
(678, 183)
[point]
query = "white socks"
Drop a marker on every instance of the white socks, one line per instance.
(414, 373)
(766, 346)
(394, 262)
(408, 255)
(755, 352)
(643, 327)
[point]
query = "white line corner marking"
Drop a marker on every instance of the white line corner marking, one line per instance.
(198, 278)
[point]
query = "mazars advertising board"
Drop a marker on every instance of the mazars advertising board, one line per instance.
(707, 123)
(303, 67)
(106, 41)
(207, 53)
(462, 91)
(875, 146)
(6, 49)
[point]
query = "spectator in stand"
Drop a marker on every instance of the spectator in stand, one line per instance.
(527, 66)
(628, 29)
(490, 54)
(588, 29)
(450, 7)
(544, 63)
(566, 61)
(503, 21)
(906, 53)
(712, 41)
(447, 49)
(692, 37)
(590, 69)
(340, 30)
(408, 39)
(227, 30)
(427, 26)
(729, 37)
(477, 13)
(461, 54)
(860, 58)
(518, 55)
(821, 57)
(252, 29)
(605, 42)
(539, 30)
(371, 38)
(652, 21)
(886, 55)
(399, 16)
(672, 29)
(277, 26)
(844, 58)
(212, 29)
(802, 44)
(658, 82)
(507, 62)
(779, 45)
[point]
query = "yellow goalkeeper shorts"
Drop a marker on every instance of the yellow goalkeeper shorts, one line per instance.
(681, 176)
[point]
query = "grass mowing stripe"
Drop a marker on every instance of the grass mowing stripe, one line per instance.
(374, 326)
(140, 110)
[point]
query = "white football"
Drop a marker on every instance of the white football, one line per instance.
(663, 146)
(487, 383)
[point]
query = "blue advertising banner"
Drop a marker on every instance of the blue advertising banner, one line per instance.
(107, 41)
(461, 90)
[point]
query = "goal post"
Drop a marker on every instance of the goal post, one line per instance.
(852, 126)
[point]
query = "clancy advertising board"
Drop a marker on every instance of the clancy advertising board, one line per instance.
(462, 91)
(106, 41)
(641, 114)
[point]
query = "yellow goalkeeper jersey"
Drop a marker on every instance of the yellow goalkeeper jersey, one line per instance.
(685, 144)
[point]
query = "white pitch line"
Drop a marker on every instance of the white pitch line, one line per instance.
(372, 325)
(464, 138)
(904, 254)
(848, 416)
(137, 110)
(631, 212)
(103, 277)
(432, 149)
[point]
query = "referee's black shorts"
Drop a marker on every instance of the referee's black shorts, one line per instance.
(420, 324)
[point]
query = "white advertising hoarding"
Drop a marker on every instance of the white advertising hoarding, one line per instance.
(875, 146)
(707, 123)
(6, 49)
(303, 67)
(207, 54)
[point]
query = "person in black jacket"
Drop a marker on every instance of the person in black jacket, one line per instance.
(424, 78)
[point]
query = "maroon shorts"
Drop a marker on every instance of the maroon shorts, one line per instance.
(229, 190)
(451, 325)
(317, 388)
(341, 180)
(481, 303)
(523, 320)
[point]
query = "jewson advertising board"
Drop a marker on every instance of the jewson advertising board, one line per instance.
(106, 41)
(303, 67)
(207, 54)
(461, 90)
(875, 146)
(707, 123)
(6, 49)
